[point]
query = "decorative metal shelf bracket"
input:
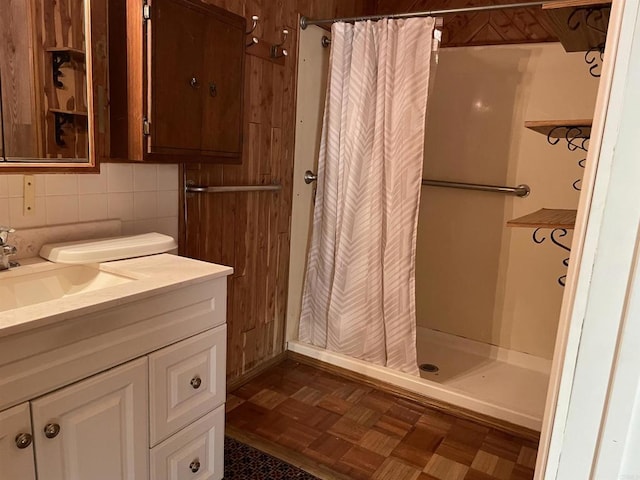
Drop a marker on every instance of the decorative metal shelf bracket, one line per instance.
(577, 185)
(590, 16)
(577, 139)
(61, 119)
(57, 60)
(594, 19)
(594, 58)
(555, 235)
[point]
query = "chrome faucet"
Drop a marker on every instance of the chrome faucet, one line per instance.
(6, 251)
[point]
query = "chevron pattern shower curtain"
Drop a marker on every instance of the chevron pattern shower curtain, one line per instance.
(359, 293)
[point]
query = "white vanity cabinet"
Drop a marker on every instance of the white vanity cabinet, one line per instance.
(134, 391)
(16, 444)
(94, 429)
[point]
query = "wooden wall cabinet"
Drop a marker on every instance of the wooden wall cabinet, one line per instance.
(176, 72)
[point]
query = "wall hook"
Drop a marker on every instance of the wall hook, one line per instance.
(254, 19)
(254, 40)
(276, 50)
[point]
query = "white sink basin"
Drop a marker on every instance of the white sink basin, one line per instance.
(22, 287)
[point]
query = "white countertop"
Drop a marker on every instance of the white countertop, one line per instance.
(151, 276)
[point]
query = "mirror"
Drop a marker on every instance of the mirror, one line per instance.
(53, 58)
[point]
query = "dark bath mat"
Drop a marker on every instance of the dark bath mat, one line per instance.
(242, 462)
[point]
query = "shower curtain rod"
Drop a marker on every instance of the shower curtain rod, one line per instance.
(305, 21)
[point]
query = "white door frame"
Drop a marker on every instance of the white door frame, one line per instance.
(591, 399)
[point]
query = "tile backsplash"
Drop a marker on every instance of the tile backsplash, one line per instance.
(144, 197)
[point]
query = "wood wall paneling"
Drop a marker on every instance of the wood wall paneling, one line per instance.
(250, 231)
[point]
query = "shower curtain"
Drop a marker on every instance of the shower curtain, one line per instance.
(359, 292)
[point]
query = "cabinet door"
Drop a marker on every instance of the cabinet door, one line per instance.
(176, 81)
(195, 81)
(223, 68)
(16, 446)
(95, 429)
(182, 69)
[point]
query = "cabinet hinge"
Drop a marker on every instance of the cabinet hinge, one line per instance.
(146, 12)
(146, 127)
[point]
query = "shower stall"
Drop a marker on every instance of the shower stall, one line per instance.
(488, 297)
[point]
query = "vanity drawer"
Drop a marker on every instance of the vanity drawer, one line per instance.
(187, 380)
(195, 453)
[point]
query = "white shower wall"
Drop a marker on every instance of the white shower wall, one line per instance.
(475, 277)
(313, 65)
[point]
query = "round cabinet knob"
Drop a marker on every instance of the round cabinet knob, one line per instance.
(51, 430)
(195, 465)
(23, 440)
(194, 82)
(196, 382)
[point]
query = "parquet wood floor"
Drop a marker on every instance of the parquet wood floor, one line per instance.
(337, 428)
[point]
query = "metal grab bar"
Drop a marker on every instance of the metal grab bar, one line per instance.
(519, 191)
(232, 188)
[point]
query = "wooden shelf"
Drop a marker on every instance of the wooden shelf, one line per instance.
(559, 128)
(546, 218)
(69, 50)
(585, 36)
(69, 112)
